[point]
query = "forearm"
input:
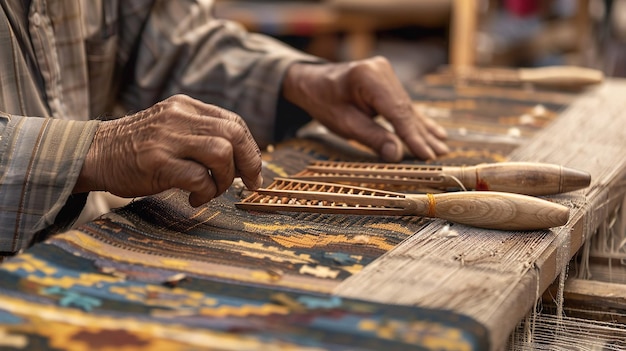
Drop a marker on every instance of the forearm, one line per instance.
(40, 162)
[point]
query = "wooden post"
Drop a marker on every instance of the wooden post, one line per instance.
(463, 33)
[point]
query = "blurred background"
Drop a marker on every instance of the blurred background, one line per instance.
(418, 36)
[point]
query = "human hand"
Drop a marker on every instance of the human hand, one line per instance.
(177, 143)
(346, 96)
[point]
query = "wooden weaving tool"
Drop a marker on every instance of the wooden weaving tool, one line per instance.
(492, 210)
(515, 177)
(556, 76)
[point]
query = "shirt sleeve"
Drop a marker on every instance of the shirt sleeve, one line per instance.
(182, 48)
(40, 160)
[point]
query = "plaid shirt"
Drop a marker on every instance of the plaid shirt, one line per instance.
(69, 61)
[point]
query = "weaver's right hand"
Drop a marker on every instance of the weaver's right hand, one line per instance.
(177, 143)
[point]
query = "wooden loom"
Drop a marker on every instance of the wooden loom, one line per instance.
(182, 255)
(498, 277)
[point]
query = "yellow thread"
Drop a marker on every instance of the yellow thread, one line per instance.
(392, 227)
(431, 205)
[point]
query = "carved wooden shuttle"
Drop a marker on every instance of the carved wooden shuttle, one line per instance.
(492, 210)
(515, 177)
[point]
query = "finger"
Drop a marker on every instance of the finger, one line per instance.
(367, 131)
(248, 164)
(414, 132)
(192, 177)
(215, 154)
(422, 144)
(433, 139)
(434, 135)
(245, 151)
(434, 128)
(398, 111)
(438, 146)
(390, 145)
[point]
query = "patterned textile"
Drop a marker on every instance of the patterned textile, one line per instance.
(159, 274)
(58, 296)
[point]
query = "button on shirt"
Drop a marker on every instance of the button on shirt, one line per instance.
(66, 63)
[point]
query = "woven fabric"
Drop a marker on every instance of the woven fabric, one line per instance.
(58, 296)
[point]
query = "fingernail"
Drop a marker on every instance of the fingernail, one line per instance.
(390, 151)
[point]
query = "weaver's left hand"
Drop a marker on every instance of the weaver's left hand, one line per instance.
(346, 96)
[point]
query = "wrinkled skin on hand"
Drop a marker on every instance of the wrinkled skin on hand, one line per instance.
(177, 143)
(346, 96)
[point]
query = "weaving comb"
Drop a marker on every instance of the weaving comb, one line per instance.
(487, 209)
(514, 177)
